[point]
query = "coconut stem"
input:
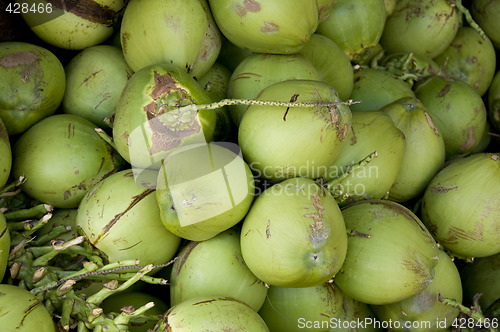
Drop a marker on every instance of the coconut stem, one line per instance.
(473, 312)
(229, 102)
(30, 213)
(12, 189)
(105, 137)
(468, 17)
(334, 184)
(28, 228)
(104, 293)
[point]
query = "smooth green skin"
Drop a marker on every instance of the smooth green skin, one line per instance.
(469, 58)
(5, 155)
(288, 309)
(21, 311)
(457, 110)
(271, 27)
(147, 24)
(486, 13)
(62, 157)
(117, 301)
(258, 71)
(426, 27)
(76, 29)
(493, 99)
(332, 64)
(215, 267)
(460, 206)
(481, 276)
(143, 89)
(95, 79)
(356, 26)
(424, 154)
(306, 143)
(396, 261)
(61, 217)
(122, 219)
(4, 245)
(375, 88)
(371, 132)
(294, 235)
(32, 85)
(425, 307)
(216, 83)
(352, 310)
(216, 187)
(211, 313)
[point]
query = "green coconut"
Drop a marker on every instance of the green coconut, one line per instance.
(356, 26)
(149, 122)
(122, 219)
(390, 254)
(196, 273)
(62, 158)
(426, 27)
(469, 58)
(369, 163)
(283, 142)
(203, 190)
(95, 79)
(180, 32)
(460, 206)
(266, 27)
(457, 110)
(258, 71)
(424, 154)
(211, 313)
(425, 311)
(73, 25)
(294, 235)
(32, 85)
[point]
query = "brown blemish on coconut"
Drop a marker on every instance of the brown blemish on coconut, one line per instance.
(25, 58)
(443, 190)
(123, 249)
(87, 9)
(185, 256)
(251, 6)
(318, 232)
(163, 84)
(135, 200)
(207, 301)
(431, 123)
(92, 75)
(269, 27)
(268, 229)
(124, 40)
(444, 90)
(457, 234)
(471, 139)
(419, 268)
(247, 6)
(246, 75)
